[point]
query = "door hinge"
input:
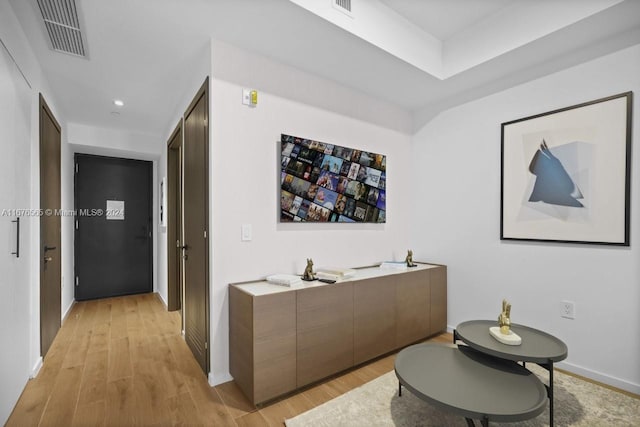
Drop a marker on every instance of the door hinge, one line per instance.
(76, 224)
(206, 345)
(76, 168)
(205, 234)
(77, 281)
(177, 243)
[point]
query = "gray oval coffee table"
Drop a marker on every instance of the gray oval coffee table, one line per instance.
(469, 383)
(537, 347)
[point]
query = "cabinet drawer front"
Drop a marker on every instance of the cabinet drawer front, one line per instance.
(374, 317)
(414, 307)
(325, 331)
(274, 355)
(438, 299)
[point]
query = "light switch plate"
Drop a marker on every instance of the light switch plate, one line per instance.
(246, 233)
(246, 96)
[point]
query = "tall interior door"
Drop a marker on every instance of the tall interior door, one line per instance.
(15, 192)
(50, 276)
(174, 219)
(196, 213)
(113, 236)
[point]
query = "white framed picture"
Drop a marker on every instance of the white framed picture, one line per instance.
(566, 174)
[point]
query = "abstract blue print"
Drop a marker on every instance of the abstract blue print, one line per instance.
(553, 184)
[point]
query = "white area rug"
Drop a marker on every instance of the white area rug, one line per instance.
(577, 403)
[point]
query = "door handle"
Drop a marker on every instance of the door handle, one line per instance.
(49, 248)
(17, 252)
(184, 254)
(48, 259)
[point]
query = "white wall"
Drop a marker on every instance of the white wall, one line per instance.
(245, 165)
(236, 65)
(26, 305)
(384, 28)
(15, 185)
(191, 83)
(113, 143)
(456, 220)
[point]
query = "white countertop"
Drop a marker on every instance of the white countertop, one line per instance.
(262, 287)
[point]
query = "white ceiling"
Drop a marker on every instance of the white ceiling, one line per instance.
(421, 55)
(444, 18)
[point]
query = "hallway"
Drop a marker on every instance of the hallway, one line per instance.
(120, 362)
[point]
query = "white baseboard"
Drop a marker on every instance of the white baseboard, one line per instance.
(215, 380)
(67, 311)
(600, 377)
(162, 299)
(36, 368)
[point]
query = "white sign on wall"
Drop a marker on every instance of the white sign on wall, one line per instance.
(115, 210)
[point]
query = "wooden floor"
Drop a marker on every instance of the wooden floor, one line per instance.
(122, 362)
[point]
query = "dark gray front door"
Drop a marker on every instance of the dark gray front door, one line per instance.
(113, 236)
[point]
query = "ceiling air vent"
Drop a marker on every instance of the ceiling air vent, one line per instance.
(63, 26)
(343, 6)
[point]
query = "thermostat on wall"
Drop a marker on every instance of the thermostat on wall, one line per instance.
(250, 97)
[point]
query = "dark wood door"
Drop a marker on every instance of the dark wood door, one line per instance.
(50, 250)
(113, 237)
(174, 219)
(196, 212)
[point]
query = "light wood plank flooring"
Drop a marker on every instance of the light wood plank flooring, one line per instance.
(122, 362)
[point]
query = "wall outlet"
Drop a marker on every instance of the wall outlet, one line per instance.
(567, 310)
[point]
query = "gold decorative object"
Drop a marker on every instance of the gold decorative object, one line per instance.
(504, 320)
(409, 259)
(308, 274)
(503, 332)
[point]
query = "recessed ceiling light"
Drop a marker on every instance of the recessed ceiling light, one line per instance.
(118, 102)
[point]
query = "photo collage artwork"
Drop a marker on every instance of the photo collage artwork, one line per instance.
(323, 182)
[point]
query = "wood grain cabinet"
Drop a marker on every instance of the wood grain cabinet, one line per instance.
(262, 340)
(438, 295)
(374, 318)
(324, 331)
(413, 305)
(283, 338)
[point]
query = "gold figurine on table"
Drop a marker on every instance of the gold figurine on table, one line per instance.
(503, 332)
(308, 274)
(409, 259)
(504, 320)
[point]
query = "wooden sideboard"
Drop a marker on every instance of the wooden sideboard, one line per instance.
(284, 338)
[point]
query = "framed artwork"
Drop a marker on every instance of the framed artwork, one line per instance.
(566, 174)
(321, 182)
